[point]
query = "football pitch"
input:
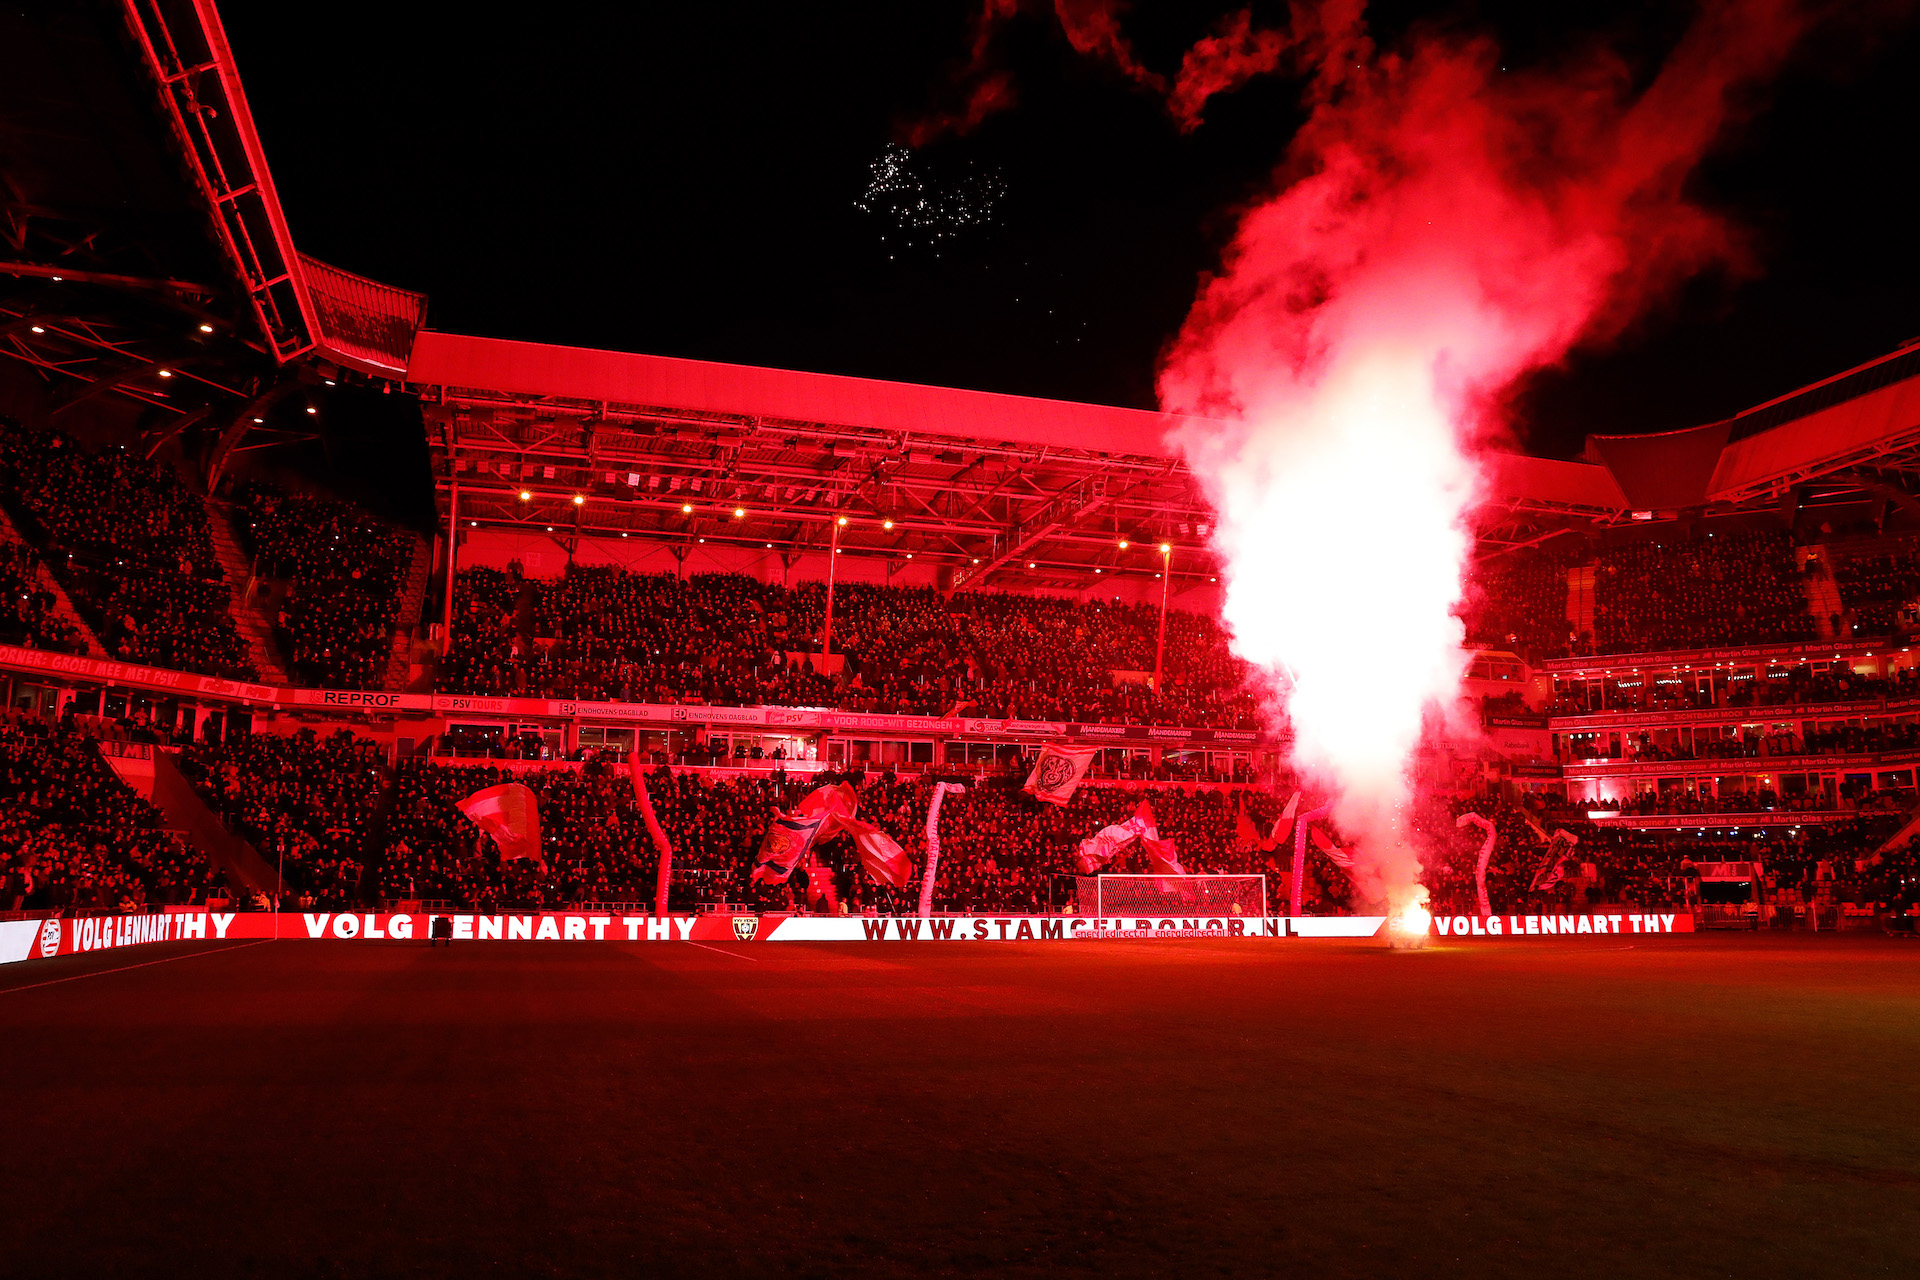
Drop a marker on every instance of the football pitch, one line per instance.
(1704, 1105)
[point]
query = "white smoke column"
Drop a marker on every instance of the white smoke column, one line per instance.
(1443, 227)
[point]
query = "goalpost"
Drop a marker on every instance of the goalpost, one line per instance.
(1113, 897)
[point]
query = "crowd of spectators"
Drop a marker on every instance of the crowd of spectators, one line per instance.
(75, 838)
(27, 616)
(1518, 602)
(307, 804)
(129, 541)
(346, 570)
(605, 633)
(592, 838)
(1742, 588)
(1880, 591)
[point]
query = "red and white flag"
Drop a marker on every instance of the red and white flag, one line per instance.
(1103, 845)
(788, 838)
(1163, 857)
(510, 813)
(1056, 774)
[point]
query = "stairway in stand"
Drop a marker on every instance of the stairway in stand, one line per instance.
(413, 598)
(62, 604)
(1823, 594)
(1580, 599)
(254, 623)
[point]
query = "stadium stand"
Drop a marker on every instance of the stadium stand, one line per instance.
(307, 804)
(129, 541)
(604, 633)
(1728, 589)
(75, 838)
(347, 570)
(1519, 602)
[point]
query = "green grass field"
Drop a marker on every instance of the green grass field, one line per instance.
(1689, 1106)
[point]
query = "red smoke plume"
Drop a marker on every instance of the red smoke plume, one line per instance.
(1442, 227)
(1219, 63)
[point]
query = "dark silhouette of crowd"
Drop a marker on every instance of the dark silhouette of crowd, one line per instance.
(27, 616)
(74, 838)
(308, 804)
(346, 570)
(1518, 602)
(129, 541)
(607, 634)
(1879, 591)
(1735, 588)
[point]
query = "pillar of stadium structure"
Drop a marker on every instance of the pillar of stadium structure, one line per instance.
(453, 558)
(453, 532)
(1166, 585)
(833, 563)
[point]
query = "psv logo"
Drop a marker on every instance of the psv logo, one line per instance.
(1055, 772)
(50, 937)
(744, 927)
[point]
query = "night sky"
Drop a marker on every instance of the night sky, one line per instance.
(687, 180)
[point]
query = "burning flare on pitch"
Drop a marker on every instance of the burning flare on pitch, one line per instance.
(1443, 226)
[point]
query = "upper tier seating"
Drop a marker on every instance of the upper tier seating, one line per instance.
(347, 569)
(130, 543)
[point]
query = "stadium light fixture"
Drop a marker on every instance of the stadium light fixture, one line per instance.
(206, 328)
(1029, 564)
(166, 373)
(909, 555)
(842, 522)
(976, 559)
(1123, 544)
(884, 524)
(739, 513)
(259, 420)
(686, 508)
(38, 329)
(579, 500)
(526, 496)
(1166, 548)
(311, 409)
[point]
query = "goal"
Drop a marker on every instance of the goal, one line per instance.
(1111, 897)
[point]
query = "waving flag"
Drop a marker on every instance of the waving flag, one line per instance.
(1163, 857)
(1335, 854)
(510, 813)
(824, 813)
(1057, 773)
(788, 838)
(880, 853)
(1103, 845)
(1559, 854)
(1283, 825)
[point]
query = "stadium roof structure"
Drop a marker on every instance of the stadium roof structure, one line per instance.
(146, 256)
(148, 260)
(605, 443)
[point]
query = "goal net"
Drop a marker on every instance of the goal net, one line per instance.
(1110, 897)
